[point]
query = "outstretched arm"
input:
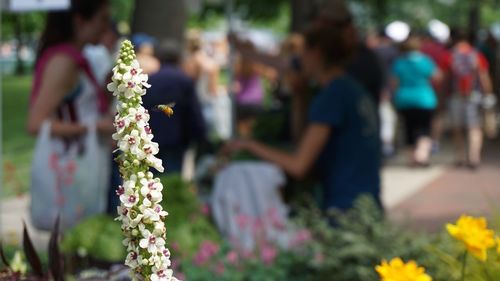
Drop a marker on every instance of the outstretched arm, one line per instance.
(296, 164)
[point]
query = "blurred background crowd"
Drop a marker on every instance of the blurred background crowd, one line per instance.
(276, 104)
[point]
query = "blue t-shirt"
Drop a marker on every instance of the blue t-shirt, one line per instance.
(349, 164)
(414, 72)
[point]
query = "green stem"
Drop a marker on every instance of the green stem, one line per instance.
(464, 264)
(487, 273)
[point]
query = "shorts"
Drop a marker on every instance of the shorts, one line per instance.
(465, 112)
(418, 124)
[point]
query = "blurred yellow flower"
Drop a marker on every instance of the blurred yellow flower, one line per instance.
(397, 270)
(474, 233)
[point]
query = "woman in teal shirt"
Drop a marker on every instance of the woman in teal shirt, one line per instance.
(415, 98)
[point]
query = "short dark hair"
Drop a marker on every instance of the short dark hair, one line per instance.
(168, 51)
(336, 49)
(459, 34)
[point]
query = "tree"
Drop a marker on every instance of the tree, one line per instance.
(160, 19)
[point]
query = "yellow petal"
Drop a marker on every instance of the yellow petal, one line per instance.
(480, 254)
(452, 229)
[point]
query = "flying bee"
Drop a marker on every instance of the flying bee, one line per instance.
(167, 109)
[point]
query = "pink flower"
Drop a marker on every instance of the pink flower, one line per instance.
(205, 210)
(268, 254)
(276, 220)
(219, 268)
(175, 246)
(180, 276)
(319, 258)
(246, 254)
(175, 264)
(243, 220)
(232, 257)
(257, 226)
(300, 238)
(207, 250)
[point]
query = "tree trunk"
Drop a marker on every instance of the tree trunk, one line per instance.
(160, 18)
(302, 13)
(19, 70)
(474, 20)
(381, 11)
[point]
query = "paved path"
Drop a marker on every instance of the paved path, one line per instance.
(450, 193)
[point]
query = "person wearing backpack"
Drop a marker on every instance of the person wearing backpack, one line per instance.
(470, 86)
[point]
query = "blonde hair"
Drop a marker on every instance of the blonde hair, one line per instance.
(411, 44)
(193, 39)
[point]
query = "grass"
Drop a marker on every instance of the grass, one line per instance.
(17, 144)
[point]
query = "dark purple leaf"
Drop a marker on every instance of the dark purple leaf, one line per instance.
(55, 260)
(2, 256)
(31, 254)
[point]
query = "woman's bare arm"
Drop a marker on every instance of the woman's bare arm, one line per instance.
(485, 81)
(299, 163)
(59, 78)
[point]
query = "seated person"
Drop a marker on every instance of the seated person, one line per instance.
(341, 140)
(171, 85)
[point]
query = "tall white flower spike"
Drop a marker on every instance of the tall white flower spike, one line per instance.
(140, 195)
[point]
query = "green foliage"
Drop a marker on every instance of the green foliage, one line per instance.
(270, 127)
(186, 225)
(121, 10)
(17, 144)
(274, 15)
(99, 237)
(29, 25)
(443, 261)
(359, 240)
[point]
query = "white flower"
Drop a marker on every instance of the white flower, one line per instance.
(151, 242)
(150, 149)
(150, 215)
(148, 185)
(134, 222)
(138, 115)
(129, 198)
(113, 87)
(147, 134)
(121, 124)
(159, 228)
(132, 260)
(130, 89)
(162, 275)
(160, 261)
(130, 142)
(156, 163)
(159, 210)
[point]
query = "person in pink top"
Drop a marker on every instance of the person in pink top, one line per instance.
(65, 91)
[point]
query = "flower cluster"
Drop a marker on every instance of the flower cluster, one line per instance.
(475, 235)
(397, 270)
(140, 211)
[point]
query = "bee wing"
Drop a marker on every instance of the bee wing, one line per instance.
(157, 108)
(171, 105)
